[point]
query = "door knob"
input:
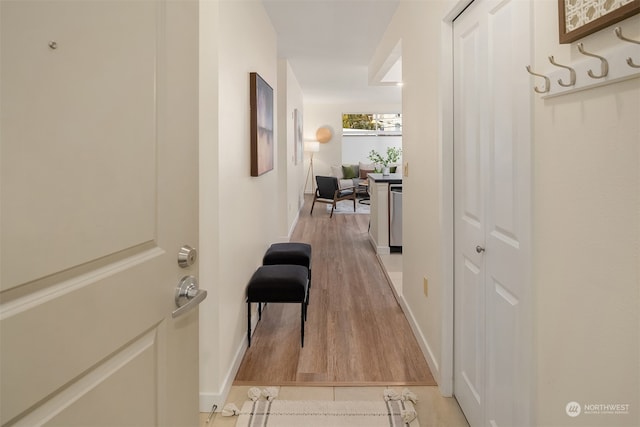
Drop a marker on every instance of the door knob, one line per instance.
(188, 295)
(479, 249)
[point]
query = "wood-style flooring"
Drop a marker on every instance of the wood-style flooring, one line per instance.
(355, 334)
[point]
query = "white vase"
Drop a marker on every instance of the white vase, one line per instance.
(385, 170)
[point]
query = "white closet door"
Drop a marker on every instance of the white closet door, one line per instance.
(492, 212)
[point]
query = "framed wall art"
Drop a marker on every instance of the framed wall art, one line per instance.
(579, 18)
(261, 101)
(297, 125)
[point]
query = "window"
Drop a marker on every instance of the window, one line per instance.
(362, 133)
(389, 124)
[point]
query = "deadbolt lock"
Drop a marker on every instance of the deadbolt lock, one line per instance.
(187, 256)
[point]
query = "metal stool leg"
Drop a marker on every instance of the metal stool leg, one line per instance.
(302, 319)
(249, 323)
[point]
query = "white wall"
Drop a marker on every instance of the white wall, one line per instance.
(417, 24)
(239, 213)
(586, 237)
(356, 149)
(330, 115)
(291, 174)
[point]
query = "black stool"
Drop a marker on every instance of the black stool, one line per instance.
(292, 253)
(281, 284)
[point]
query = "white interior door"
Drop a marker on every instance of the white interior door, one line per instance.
(99, 192)
(471, 139)
(492, 212)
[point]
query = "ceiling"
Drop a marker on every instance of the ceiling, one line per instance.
(329, 44)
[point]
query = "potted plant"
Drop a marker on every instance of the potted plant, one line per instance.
(393, 155)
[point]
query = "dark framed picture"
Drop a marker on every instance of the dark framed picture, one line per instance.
(261, 100)
(579, 18)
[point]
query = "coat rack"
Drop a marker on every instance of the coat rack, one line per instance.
(619, 63)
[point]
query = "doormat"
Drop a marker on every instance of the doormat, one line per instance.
(394, 411)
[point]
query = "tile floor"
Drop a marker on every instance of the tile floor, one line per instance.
(433, 409)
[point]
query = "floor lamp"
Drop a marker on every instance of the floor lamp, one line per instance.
(311, 147)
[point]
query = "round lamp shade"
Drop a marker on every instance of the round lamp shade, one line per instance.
(323, 134)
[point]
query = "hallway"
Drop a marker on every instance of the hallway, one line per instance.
(356, 333)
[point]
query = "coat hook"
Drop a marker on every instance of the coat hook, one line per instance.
(547, 82)
(572, 73)
(604, 65)
(618, 32)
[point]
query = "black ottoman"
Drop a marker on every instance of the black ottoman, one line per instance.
(281, 284)
(292, 253)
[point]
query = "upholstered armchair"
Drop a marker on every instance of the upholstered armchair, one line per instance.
(351, 175)
(329, 192)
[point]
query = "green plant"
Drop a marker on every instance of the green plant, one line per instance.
(359, 121)
(393, 155)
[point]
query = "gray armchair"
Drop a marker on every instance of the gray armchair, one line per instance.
(329, 192)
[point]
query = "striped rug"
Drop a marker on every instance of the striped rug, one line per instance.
(318, 413)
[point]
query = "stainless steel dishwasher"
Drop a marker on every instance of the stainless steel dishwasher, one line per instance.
(395, 217)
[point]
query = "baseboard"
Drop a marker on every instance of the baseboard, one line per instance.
(287, 238)
(293, 225)
(422, 340)
(381, 250)
(417, 332)
(207, 400)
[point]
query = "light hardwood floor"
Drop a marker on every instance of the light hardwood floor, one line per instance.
(355, 334)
